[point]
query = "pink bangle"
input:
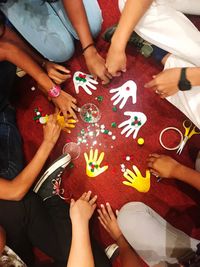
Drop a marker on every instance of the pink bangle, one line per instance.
(54, 91)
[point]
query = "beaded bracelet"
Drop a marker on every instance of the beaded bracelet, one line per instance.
(85, 48)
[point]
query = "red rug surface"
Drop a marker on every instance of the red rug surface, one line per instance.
(175, 201)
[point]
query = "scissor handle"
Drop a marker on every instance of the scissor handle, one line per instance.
(194, 131)
(187, 127)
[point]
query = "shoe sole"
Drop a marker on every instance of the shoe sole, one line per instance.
(60, 162)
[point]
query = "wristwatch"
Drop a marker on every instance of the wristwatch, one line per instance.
(184, 84)
(54, 91)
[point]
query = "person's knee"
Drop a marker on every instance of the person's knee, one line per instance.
(130, 214)
(95, 21)
(95, 27)
(62, 53)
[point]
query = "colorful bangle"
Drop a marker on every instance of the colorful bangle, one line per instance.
(54, 91)
(85, 48)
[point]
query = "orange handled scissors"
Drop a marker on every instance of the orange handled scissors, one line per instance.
(189, 132)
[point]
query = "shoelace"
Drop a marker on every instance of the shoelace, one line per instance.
(56, 187)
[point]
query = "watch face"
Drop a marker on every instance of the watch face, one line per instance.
(184, 85)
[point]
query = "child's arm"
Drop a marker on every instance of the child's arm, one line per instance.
(167, 167)
(132, 13)
(77, 15)
(128, 256)
(16, 189)
(80, 214)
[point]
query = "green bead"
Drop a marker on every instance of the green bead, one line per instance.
(71, 165)
(114, 109)
(106, 131)
(100, 98)
(113, 124)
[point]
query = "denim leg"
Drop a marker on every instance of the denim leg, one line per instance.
(41, 27)
(93, 12)
(11, 155)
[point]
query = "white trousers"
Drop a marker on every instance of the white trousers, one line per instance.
(156, 241)
(165, 26)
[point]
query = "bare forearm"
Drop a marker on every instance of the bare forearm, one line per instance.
(132, 13)
(193, 75)
(19, 186)
(14, 38)
(21, 59)
(80, 246)
(77, 15)
(187, 175)
(128, 257)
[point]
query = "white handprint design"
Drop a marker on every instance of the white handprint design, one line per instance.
(123, 92)
(133, 124)
(85, 81)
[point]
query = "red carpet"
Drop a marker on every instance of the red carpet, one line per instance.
(175, 201)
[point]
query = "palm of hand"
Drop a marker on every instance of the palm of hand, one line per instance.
(136, 180)
(93, 168)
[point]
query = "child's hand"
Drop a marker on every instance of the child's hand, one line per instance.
(108, 220)
(81, 210)
(66, 103)
(96, 65)
(56, 72)
(115, 61)
(51, 130)
(162, 166)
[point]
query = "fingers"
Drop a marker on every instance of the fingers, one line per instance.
(151, 84)
(104, 214)
(93, 200)
(110, 212)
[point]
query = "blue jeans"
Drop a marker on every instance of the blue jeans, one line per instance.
(46, 26)
(11, 155)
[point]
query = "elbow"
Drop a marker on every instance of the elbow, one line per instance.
(15, 195)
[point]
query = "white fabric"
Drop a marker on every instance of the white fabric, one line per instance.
(154, 239)
(186, 101)
(165, 26)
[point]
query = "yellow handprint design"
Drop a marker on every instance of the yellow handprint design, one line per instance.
(136, 180)
(93, 168)
(65, 125)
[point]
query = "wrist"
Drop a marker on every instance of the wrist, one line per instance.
(79, 223)
(45, 82)
(193, 75)
(90, 51)
(48, 144)
(177, 171)
(121, 241)
(116, 45)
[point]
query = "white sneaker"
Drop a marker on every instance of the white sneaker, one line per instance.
(49, 183)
